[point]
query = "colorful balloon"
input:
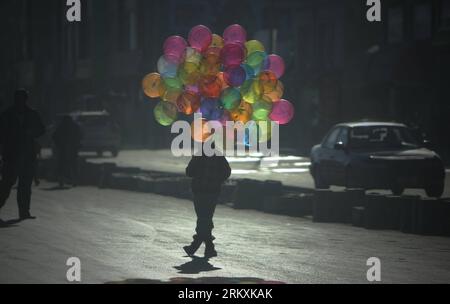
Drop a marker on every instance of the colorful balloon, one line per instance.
(254, 46)
(217, 41)
(200, 38)
(251, 91)
(188, 103)
(192, 56)
(224, 78)
(275, 64)
(268, 81)
(189, 73)
(174, 48)
(234, 75)
(256, 60)
(165, 113)
(211, 109)
(282, 112)
(249, 71)
(167, 68)
(277, 93)
(232, 54)
(210, 86)
(243, 113)
(262, 109)
(235, 34)
(231, 99)
(152, 85)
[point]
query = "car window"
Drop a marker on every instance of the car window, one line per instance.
(380, 137)
(331, 140)
(343, 136)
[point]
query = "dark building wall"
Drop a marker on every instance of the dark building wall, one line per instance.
(340, 66)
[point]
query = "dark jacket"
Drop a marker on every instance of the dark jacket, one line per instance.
(18, 132)
(208, 173)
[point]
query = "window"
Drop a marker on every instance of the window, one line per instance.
(331, 140)
(422, 21)
(395, 25)
(343, 136)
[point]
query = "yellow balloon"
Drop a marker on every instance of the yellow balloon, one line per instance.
(254, 46)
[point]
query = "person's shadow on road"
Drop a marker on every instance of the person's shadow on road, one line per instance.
(196, 266)
(10, 223)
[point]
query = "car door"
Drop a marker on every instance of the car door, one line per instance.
(339, 160)
(327, 156)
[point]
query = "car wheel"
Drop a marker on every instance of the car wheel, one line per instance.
(397, 190)
(435, 190)
(318, 181)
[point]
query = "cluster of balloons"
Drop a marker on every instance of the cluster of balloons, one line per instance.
(225, 78)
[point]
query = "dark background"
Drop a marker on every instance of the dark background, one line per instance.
(340, 67)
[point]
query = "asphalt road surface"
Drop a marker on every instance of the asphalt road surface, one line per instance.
(291, 170)
(123, 236)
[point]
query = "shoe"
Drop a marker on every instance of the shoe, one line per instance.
(27, 217)
(192, 249)
(210, 251)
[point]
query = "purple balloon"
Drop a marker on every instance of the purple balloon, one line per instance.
(275, 64)
(232, 54)
(235, 75)
(235, 34)
(200, 38)
(174, 48)
(282, 112)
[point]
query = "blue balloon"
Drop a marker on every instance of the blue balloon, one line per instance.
(211, 109)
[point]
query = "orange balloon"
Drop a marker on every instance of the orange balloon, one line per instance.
(276, 94)
(268, 81)
(188, 103)
(152, 85)
(210, 86)
(221, 78)
(243, 113)
(212, 55)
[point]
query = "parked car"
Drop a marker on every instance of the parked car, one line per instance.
(376, 155)
(100, 132)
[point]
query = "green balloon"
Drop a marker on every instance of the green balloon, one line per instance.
(231, 99)
(256, 60)
(165, 113)
(173, 83)
(262, 109)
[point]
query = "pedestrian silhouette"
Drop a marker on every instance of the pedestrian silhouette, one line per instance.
(208, 173)
(67, 139)
(20, 126)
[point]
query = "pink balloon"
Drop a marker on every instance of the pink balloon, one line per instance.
(235, 34)
(232, 54)
(282, 112)
(200, 37)
(275, 64)
(174, 48)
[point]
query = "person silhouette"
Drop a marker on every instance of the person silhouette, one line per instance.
(20, 126)
(208, 173)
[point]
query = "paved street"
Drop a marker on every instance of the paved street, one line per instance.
(121, 235)
(291, 170)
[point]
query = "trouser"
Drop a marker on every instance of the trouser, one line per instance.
(205, 206)
(11, 172)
